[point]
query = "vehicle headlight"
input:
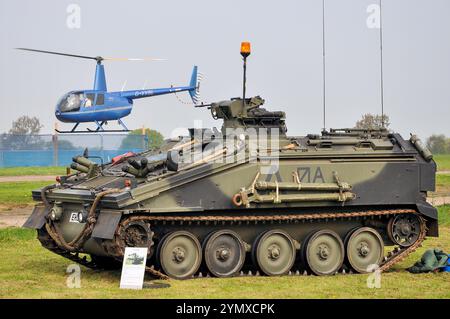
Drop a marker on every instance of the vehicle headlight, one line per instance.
(55, 213)
(82, 216)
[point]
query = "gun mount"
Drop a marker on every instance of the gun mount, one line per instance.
(248, 113)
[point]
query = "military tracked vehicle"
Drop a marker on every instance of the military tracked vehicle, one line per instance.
(247, 198)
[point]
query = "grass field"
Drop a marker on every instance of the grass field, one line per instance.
(444, 216)
(29, 271)
(442, 185)
(442, 161)
(18, 193)
(32, 170)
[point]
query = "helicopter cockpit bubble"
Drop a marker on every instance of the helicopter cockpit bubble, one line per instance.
(70, 102)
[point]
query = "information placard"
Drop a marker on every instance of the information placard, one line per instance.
(133, 268)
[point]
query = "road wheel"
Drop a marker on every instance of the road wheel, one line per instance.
(323, 252)
(274, 252)
(364, 247)
(179, 254)
(224, 253)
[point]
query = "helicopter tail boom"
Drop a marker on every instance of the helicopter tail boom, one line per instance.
(192, 89)
(138, 94)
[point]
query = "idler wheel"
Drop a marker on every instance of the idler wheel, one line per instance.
(224, 253)
(179, 254)
(404, 229)
(323, 252)
(274, 252)
(364, 247)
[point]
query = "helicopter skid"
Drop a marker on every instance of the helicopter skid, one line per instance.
(98, 129)
(92, 131)
(103, 131)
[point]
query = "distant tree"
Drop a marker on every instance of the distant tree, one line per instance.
(372, 121)
(62, 145)
(134, 141)
(26, 125)
(23, 134)
(439, 144)
(66, 145)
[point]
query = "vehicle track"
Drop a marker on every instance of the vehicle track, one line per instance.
(50, 241)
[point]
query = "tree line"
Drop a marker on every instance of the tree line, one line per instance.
(436, 143)
(439, 144)
(25, 135)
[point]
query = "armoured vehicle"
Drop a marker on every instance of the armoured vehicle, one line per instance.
(247, 198)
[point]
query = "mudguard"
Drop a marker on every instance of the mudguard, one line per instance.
(37, 217)
(106, 224)
(429, 211)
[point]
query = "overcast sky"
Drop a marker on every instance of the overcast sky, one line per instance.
(285, 66)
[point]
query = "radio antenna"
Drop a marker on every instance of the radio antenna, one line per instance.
(381, 68)
(323, 65)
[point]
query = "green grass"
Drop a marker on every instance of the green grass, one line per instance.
(16, 234)
(29, 271)
(18, 192)
(32, 170)
(444, 215)
(443, 180)
(442, 161)
(442, 185)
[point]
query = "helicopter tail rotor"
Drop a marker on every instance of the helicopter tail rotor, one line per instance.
(194, 85)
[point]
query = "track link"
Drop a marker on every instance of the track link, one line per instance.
(49, 243)
(392, 258)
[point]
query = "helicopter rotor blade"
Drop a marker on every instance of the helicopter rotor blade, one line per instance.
(96, 58)
(133, 59)
(99, 59)
(64, 54)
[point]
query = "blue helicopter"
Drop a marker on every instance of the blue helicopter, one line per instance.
(100, 106)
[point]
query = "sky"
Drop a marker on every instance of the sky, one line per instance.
(285, 66)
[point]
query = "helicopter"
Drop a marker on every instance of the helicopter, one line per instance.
(100, 106)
